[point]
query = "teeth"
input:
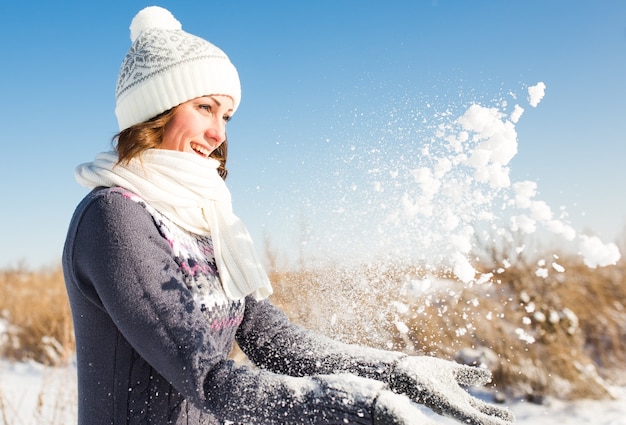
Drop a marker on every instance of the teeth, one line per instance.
(200, 149)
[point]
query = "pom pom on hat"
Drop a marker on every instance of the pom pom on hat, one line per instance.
(153, 17)
(166, 66)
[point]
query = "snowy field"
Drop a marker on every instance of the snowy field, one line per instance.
(33, 394)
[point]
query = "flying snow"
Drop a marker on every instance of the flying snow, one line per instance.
(447, 183)
(484, 141)
(536, 93)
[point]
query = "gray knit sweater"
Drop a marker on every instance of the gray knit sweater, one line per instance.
(154, 330)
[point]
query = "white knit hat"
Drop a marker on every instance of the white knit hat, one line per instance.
(167, 66)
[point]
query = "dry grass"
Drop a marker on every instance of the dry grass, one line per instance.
(551, 336)
(560, 335)
(35, 309)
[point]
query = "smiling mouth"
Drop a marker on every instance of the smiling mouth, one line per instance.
(200, 150)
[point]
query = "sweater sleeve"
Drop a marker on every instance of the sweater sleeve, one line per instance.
(116, 258)
(271, 341)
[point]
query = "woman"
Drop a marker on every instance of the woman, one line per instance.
(163, 278)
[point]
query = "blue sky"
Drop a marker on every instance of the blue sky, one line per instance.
(331, 90)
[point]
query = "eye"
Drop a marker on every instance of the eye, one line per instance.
(205, 107)
(226, 118)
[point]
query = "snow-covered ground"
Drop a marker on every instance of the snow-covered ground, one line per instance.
(33, 394)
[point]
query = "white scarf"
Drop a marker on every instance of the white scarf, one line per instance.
(187, 189)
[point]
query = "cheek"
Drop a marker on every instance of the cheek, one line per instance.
(168, 140)
(173, 137)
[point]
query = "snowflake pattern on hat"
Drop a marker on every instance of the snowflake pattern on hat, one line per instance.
(157, 51)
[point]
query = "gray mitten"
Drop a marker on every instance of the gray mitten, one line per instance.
(396, 409)
(344, 398)
(436, 383)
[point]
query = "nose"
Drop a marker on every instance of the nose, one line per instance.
(216, 130)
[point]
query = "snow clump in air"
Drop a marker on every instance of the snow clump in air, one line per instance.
(596, 253)
(536, 93)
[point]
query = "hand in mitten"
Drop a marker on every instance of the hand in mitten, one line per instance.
(436, 383)
(345, 398)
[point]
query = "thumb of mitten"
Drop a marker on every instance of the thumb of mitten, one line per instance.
(470, 375)
(396, 409)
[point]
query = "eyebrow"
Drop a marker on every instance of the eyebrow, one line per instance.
(217, 102)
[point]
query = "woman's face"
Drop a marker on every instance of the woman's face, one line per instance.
(198, 125)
